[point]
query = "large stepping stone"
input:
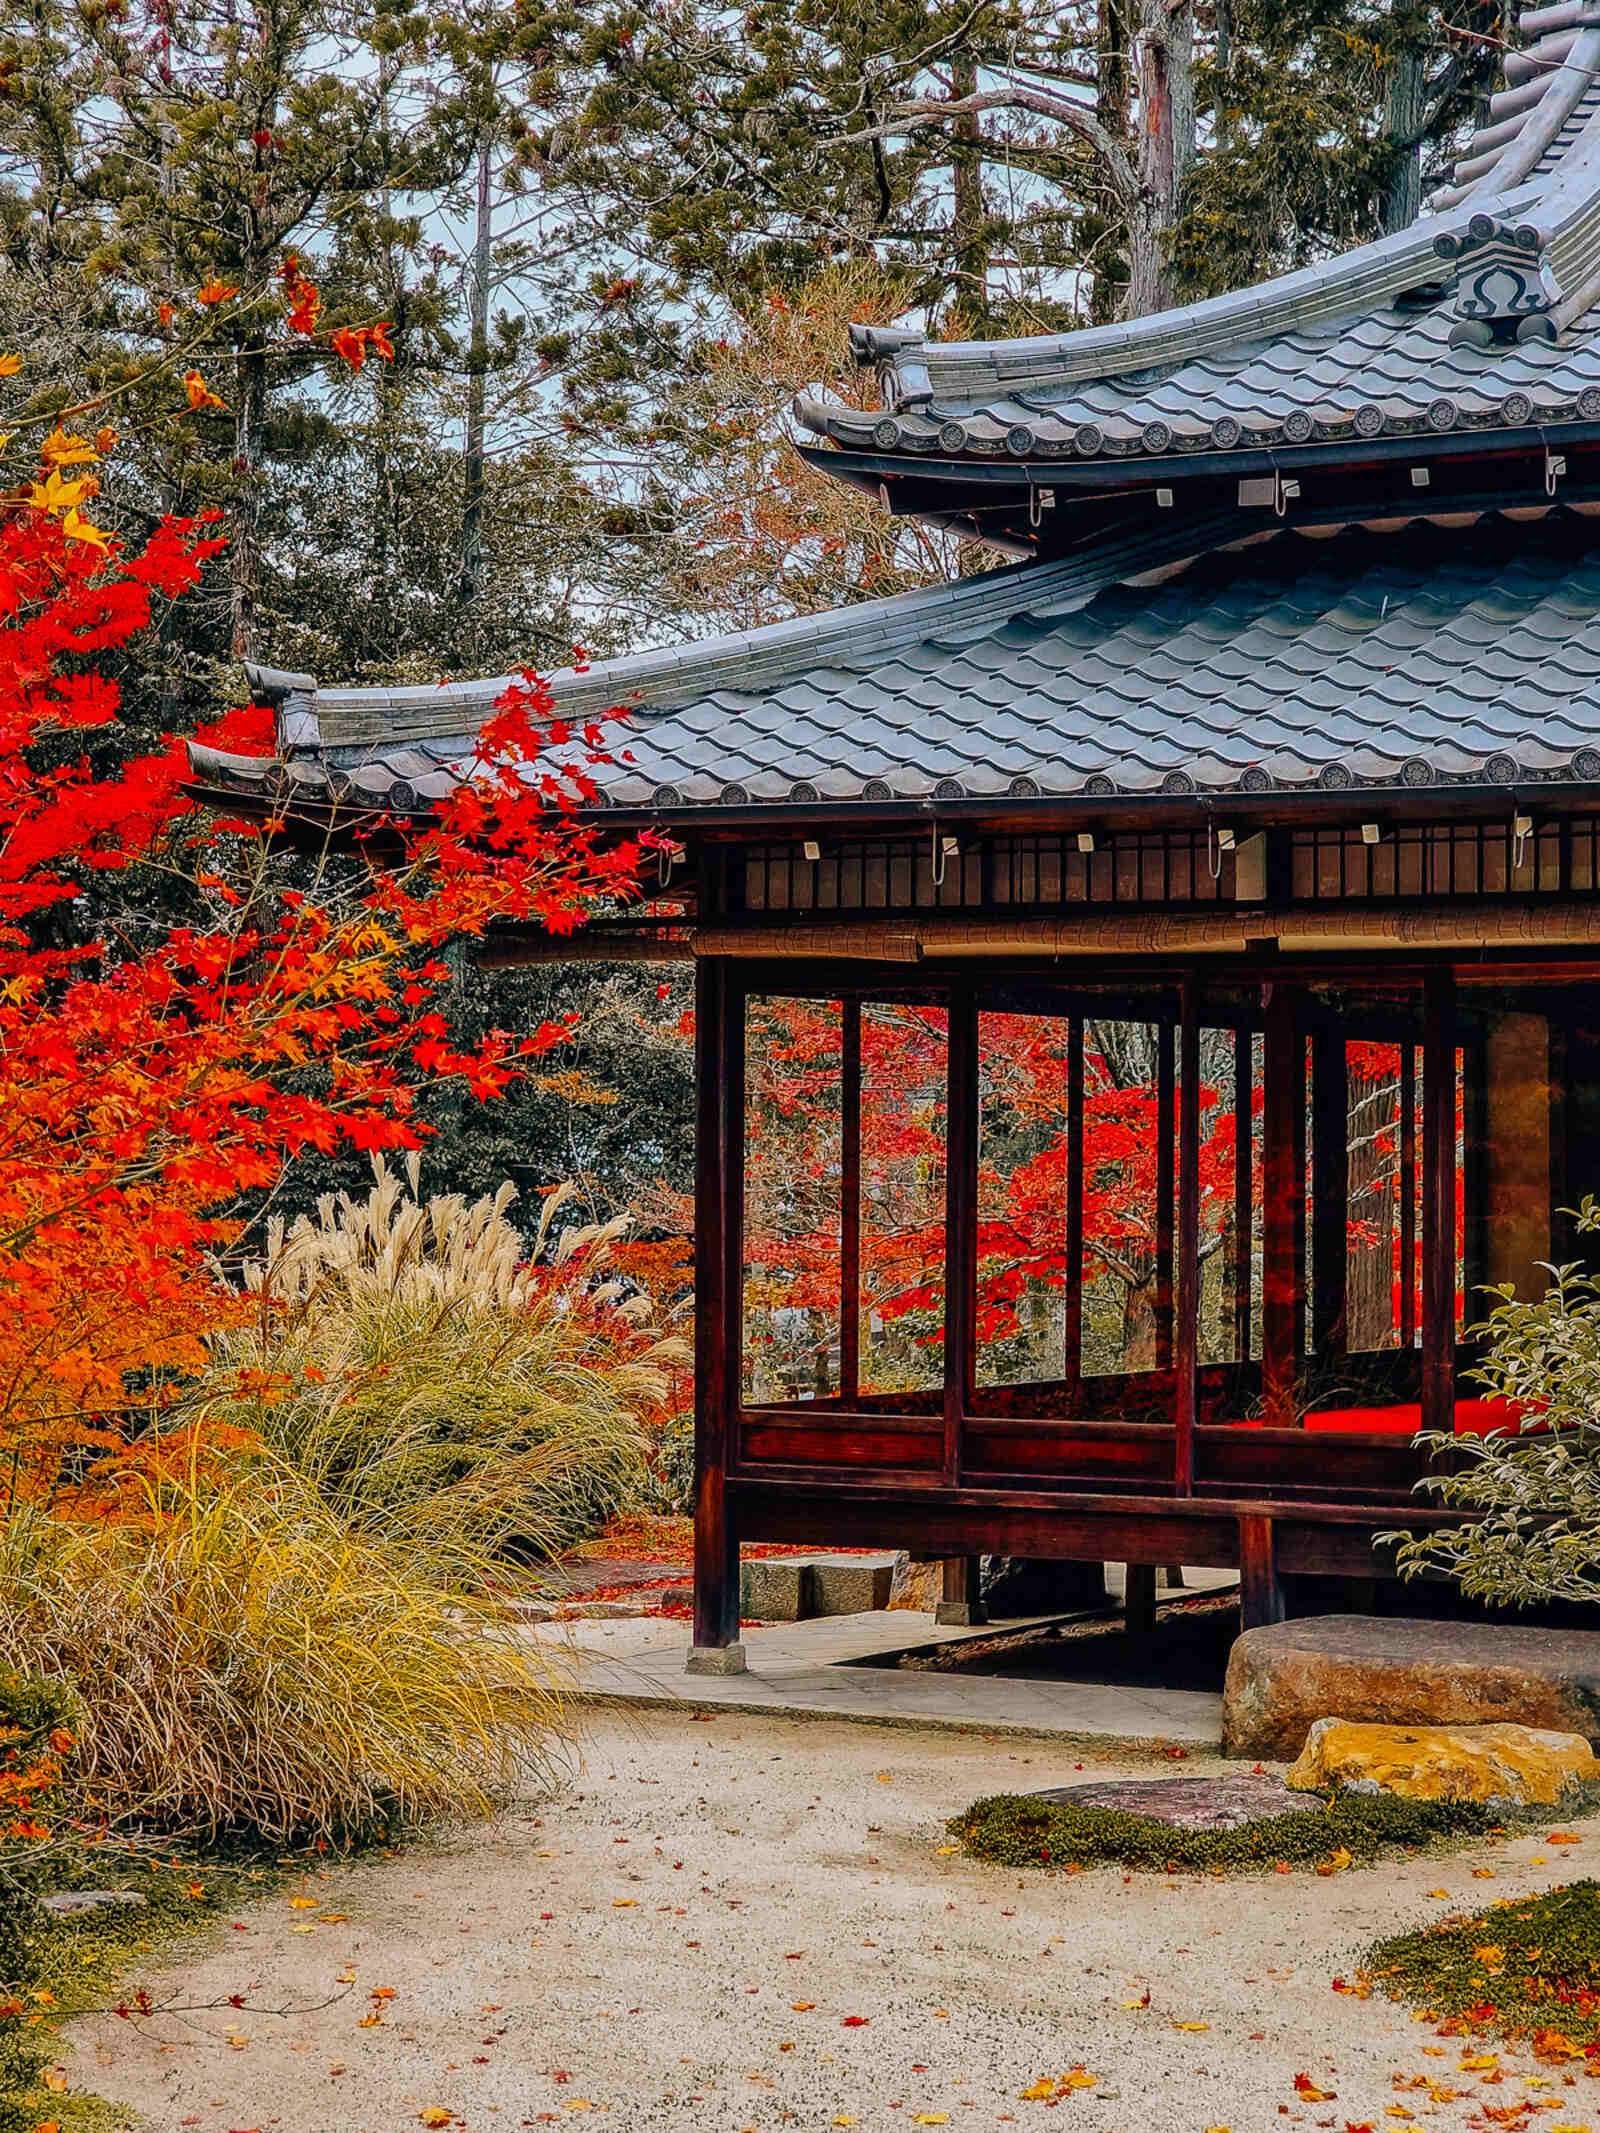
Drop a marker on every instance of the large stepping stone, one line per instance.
(1285, 1676)
(1502, 1764)
(1190, 1802)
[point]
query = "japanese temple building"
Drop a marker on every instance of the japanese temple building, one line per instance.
(1271, 761)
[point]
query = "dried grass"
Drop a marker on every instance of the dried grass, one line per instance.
(245, 1659)
(432, 1375)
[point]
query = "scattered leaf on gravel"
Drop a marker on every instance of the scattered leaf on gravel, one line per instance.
(435, 2114)
(1308, 2091)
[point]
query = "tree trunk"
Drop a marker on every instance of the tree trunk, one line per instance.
(472, 485)
(1164, 54)
(244, 534)
(1113, 89)
(968, 217)
(1404, 103)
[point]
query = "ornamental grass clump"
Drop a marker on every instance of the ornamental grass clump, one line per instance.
(248, 1660)
(435, 1378)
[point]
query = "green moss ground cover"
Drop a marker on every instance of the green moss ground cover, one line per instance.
(1528, 1967)
(1015, 1830)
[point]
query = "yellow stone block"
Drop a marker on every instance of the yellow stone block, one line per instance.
(1498, 1762)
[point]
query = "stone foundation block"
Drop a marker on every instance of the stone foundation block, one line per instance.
(1284, 1677)
(777, 1588)
(715, 1659)
(851, 1584)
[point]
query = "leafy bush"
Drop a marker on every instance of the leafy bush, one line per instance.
(1015, 1830)
(246, 1658)
(431, 1377)
(1524, 1966)
(1533, 1495)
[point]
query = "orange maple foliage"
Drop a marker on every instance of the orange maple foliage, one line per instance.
(142, 1089)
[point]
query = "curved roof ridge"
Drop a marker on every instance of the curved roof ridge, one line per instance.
(312, 719)
(1533, 170)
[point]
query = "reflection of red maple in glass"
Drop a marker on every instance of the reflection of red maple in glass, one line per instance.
(793, 1152)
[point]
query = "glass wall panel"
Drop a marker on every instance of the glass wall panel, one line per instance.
(1023, 1064)
(904, 1074)
(792, 1171)
(1122, 1132)
(1376, 1234)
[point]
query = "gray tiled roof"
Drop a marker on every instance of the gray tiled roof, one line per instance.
(1480, 315)
(1417, 655)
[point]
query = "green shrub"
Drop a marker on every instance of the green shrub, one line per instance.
(1016, 1830)
(38, 1722)
(431, 1376)
(1532, 1532)
(1529, 1963)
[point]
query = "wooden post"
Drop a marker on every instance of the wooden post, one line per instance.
(1330, 1192)
(850, 1203)
(1139, 1599)
(1072, 1242)
(1166, 1125)
(1438, 1200)
(1244, 1219)
(1282, 1198)
(1408, 1196)
(1260, 1589)
(1186, 1333)
(961, 1225)
(719, 1103)
(961, 1602)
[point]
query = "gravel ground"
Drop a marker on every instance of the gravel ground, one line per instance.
(734, 1922)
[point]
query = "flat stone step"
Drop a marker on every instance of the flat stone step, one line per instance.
(1282, 1678)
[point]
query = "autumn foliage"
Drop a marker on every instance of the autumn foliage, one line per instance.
(145, 1082)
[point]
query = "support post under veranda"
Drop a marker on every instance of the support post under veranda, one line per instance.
(719, 1090)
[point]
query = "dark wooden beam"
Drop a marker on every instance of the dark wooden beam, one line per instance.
(1330, 1192)
(1260, 1588)
(1244, 1220)
(1438, 1201)
(1072, 1246)
(718, 1056)
(1282, 1200)
(850, 1201)
(1165, 1211)
(1186, 1333)
(961, 1225)
(1408, 1196)
(961, 1593)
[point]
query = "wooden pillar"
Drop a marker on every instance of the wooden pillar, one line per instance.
(719, 1111)
(1165, 1137)
(1186, 1333)
(1330, 1193)
(961, 1601)
(1438, 1200)
(1072, 1242)
(1282, 1205)
(1139, 1598)
(1408, 1196)
(961, 1226)
(1260, 1588)
(1244, 1220)
(850, 1203)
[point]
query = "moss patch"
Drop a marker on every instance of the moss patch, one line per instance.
(1014, 1830)
(1526, 1967)
(72, 1965)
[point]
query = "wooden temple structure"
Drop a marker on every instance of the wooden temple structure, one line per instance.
(1277, 743)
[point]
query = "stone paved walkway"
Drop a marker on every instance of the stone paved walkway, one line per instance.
(801, 1668)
